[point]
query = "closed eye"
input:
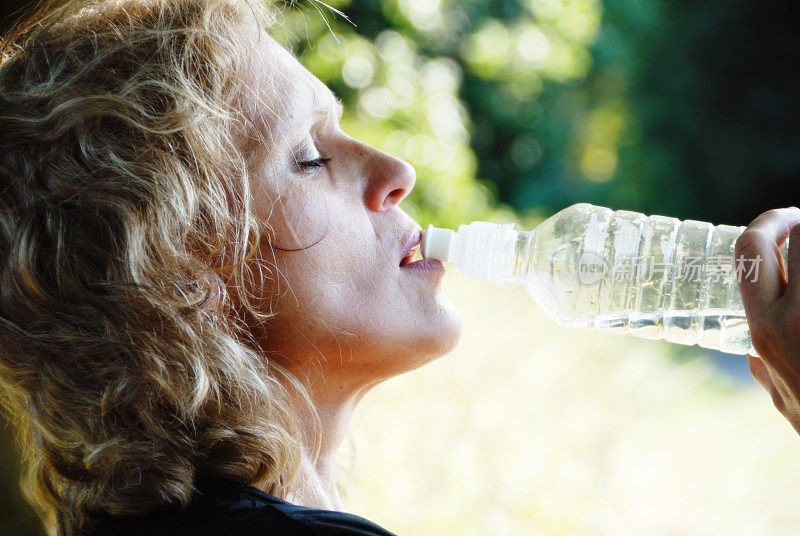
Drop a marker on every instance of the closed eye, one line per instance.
(315, 163)
(307, 158)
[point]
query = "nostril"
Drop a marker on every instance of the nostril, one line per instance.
(395, 196)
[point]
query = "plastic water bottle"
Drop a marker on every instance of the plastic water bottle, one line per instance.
(619, 271)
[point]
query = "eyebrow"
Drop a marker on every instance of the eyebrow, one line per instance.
(321, 111)
(338, 106)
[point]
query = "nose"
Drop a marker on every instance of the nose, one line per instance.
(388, 181)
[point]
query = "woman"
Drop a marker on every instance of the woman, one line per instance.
(201, 273)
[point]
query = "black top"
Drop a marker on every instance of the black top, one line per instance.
(229, 508)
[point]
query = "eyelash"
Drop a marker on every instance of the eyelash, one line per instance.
(316, 163)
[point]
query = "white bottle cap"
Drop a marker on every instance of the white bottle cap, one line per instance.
(436, 243)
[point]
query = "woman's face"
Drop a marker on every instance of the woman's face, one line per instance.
(345, 305)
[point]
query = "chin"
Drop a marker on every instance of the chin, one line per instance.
(449, 334)
(437, 334)
(430, 334)
(415, 350)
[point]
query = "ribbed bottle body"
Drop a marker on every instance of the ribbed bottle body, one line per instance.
(649, 276)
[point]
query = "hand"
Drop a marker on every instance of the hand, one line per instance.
(772, 306)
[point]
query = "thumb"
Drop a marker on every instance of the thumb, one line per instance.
(759, 371)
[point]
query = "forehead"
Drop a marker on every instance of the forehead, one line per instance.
(284, 97)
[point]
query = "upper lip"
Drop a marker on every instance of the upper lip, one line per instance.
(410, 241)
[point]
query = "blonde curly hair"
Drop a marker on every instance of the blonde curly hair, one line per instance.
(125, 220)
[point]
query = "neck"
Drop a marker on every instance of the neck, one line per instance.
(334, 403)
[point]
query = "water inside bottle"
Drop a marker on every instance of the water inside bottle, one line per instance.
(572, 262)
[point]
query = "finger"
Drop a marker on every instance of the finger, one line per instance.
(793, 260)
(758, 260)
(759, 371)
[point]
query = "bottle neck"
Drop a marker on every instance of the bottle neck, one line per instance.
(488, 251)
(519, 267)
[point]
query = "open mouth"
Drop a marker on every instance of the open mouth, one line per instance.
(411, 256)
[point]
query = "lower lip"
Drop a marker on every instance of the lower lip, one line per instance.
(425, 265)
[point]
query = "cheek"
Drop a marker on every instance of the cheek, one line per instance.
(340, 284)
(297, 219)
